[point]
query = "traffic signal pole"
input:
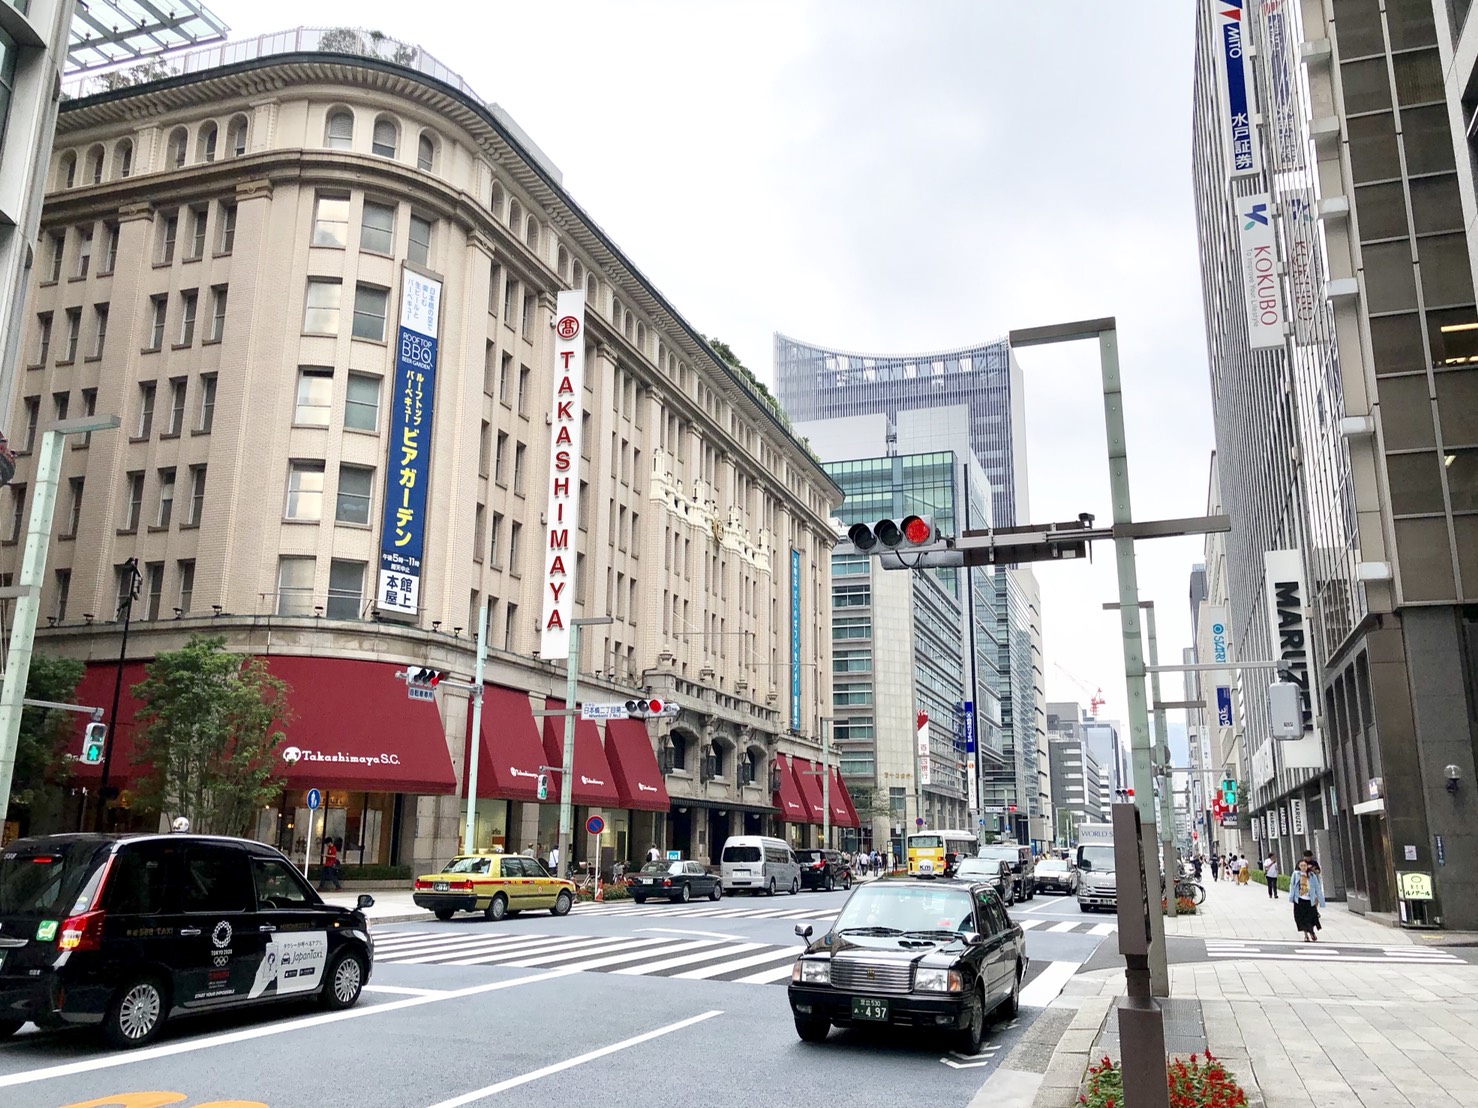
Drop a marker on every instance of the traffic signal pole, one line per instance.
(468, 835)
(567, 767)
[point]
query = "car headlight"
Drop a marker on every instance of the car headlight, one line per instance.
(939, 981)
(811, 971)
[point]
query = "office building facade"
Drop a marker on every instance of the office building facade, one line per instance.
(1077, 781)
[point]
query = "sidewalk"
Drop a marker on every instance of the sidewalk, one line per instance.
(391, 905)
(1295, 1033)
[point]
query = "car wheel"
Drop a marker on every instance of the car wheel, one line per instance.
(1012, 1007)
(972, 1037)
(136, 1013)
(684, 894)
(9, 1028)
(343, 981)
(562, 904)
(812, 1030)
(795, 885)
(770, 888)
(716, 892)
(445, 913)
(497, 908)
(831, 883)
(639, 899)
(846, 883)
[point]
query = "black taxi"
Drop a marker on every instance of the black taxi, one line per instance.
(924, 954)
(127, 931)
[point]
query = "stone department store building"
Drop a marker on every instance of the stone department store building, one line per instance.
(221, 260)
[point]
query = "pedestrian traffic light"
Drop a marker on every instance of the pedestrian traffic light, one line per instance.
(93, 739)
(651, 707)
(543, 786)
(423, 677)
(1229, 792)
(888, 536)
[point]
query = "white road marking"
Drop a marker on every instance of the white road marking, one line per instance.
(1028, 924)
(705, 972)
(262, 1031)
(569, 1063)
(676, 946)
(1043, 989)
(681, 931)
(604, 946)
(686, 959)
(766, 977)
(1331, 956)
(403, 990)
(1103, 929)
(1060, 927)
(528, 950)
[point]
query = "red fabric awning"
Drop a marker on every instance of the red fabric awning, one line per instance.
(809, 783)
(788, 799)
(95, 690)
(510, 753)
(593, 783)
(842, 812)
(639, 782)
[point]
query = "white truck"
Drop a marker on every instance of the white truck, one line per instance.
(1095, 862)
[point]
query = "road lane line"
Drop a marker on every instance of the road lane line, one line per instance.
(677, 946)
(1044, 988)
(570, 1063)
(684, 931)
(1028, 924)
(647, 946)
(403, 990)
(686, 959)
(705, 972)
(1063, 927)
(766, 977)
(442, 950)
(527, 950)
(262, 1031)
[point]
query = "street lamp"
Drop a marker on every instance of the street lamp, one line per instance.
(567, 774)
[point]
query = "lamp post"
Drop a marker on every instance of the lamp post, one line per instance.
(125, 609)
(567, 767)
(468, 843)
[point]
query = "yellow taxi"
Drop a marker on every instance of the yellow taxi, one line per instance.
(497, 885)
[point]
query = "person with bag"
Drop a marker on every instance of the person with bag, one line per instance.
(1270, 871)
(1306, 892)
(329, 871)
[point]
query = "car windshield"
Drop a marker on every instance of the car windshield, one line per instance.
(741, 854)
(657, 867)
(1099, 859)
(978, 867)
(925, 842)
(808, 855)
(1052, 865)
(885, 909)
(1000, 853)
(43, 880)
(468, 865)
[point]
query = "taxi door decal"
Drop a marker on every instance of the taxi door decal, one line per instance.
(291, 964)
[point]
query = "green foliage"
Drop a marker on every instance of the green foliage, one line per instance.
(210, 732)
(1260, 877)
(1200, 1082)
(364, 872)
(155, 69)
(39, 784)
(370, 44)
(871, 802)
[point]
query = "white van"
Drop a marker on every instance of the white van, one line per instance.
(755, 864)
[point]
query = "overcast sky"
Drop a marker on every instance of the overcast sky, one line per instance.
(893, 177)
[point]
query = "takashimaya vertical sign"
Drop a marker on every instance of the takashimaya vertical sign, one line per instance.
(1243, 157)
(1293, 644)
(562, 514)
(1262, 287)
(795, 640)
(403, 521)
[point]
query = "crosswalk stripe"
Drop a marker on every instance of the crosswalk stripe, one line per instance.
(638, 947)
(1061, 927)
(1043, 988)
(634, 955)
(704, 972)
(767, 977)
(1028, 924)
(689, 959)
(434, 954)
(524, 950)
(1102, 929)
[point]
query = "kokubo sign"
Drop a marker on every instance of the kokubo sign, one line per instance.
(563, 512)
(1262, 287)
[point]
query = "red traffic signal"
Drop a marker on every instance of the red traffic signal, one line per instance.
(917, 530)
(889, 536)
(650, 708)
(426, 678)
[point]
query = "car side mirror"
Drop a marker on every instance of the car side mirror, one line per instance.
(364, 901)
(973, 938)
(803, 931)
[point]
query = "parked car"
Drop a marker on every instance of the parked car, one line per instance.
(755, 864)
(678, 881)
(1056, 876)
(824, 869)
(497, 885)
(128, 932)
(932, 954)
(994, 871)
(1023, 868)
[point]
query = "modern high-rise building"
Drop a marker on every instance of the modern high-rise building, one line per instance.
(230, 257)
(1078, 791)
(1331, 177)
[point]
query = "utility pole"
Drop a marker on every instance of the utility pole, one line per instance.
(567, 771)
(468, 836)
(125, 609)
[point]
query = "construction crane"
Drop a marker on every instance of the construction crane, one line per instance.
(1095, 696)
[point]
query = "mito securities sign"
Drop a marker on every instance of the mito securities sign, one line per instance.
(403, 526)
(563, 512)
(1262, 288)
(1235, 75)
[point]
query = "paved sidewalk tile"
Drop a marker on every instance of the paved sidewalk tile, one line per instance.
(1234, 911)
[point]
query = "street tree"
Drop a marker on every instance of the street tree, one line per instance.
(210, 730)
(40, 761)
(870, 803)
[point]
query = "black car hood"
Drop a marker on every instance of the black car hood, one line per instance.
(886, 948)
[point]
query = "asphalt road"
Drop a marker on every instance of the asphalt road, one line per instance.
(662, 1005)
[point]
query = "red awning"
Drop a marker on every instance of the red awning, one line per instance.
(639, 782)
(842, 812)
(95, 690)
(809, 783)
(594, 783)
(788, 799)
(510, 753)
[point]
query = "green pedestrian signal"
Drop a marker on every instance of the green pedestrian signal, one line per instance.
(1229, 793)
(543, 786)
(93, 739)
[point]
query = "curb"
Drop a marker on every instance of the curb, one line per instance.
(1074, 1054)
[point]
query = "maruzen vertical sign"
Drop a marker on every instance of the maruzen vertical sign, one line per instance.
(563, 513)
(1293, 645)
(403, 522)
(1262, 286)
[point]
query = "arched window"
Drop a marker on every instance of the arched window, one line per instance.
(205, 144)
(562, 262)
(123, 159)
(385, 138)
(592, 291)
(179, 144)
(426, 153)
(497, 201)
(66, 170)
(531, 234)
(515, 215)
(236, 137)
(641, 337)
(626, 327)
(615, 312)
(339, 134)
(579, 277)
(94, 170)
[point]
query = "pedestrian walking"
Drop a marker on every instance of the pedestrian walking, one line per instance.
(654, 855)
(1196, 865)
(1215, 867)
(1244, 870)
(1270, 871)
(1306, 892)
(554, 860)
(329, 870)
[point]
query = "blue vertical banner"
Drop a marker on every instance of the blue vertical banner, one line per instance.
(795, 640)
(969, 722)
(1243, 156)
(1223, 705)
(403, 518)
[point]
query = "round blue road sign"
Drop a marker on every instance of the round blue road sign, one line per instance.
(315, 798)
(595, 825)
(919, 822)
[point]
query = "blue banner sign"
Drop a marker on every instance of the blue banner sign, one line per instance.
(795, 640)
(1224, 705)
(969, 715)
(403, 519)
(1243, 157)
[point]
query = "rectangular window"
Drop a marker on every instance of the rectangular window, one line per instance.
(74, 333)
(156, 321)
(60, 401)
(17, 512)
(227, 240)
(154, 574)
(479, 531)
(510, 293)
(168, 230)
(63, 588)
(484, 448)
(43, 337)
(500, 459)
(295, 586)
(110, 247)
(134, 502)
(505, 371)
(356, 484)
(187, 585)
(89, 407)
(377, 228)
(526, 325)
(523, 390)
(74, 508)
(217, 314)
(100, 329)
(305, 490)
(418, 249)
(331, 221)
(166, 498)
(146, 410)
(497, 534)
(510, 626)
(58, 244)
(489, 364)
(369, 312)
(362, 403)
(495, 276)
(321, 313)
(197, 495)
(197, 233)
(207, 401)
(188, 302)
(515, 534)
(176, 406)
(518, 455)
(84, 252)
(345, 589)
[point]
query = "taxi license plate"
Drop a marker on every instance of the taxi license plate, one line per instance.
(438, 886)
(869, 1008)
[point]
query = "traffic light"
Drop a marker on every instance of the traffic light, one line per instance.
(1229, 792)
(652, 707)
(93, 739)
(892, 536)
(423, 677)
(543, 786)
